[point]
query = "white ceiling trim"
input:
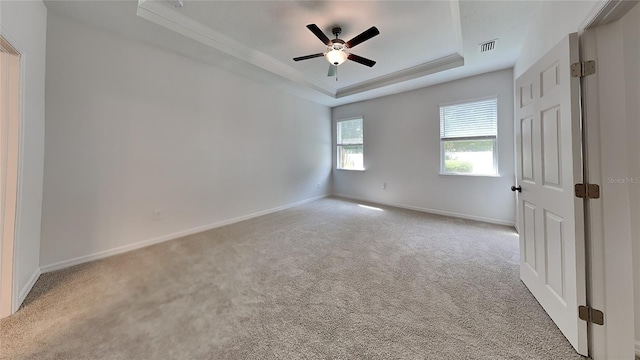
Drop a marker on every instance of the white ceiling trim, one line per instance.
(164, 16)
(431, 67)
(457, 24)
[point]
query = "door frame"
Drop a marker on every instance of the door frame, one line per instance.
(13, 166)
(609, 275)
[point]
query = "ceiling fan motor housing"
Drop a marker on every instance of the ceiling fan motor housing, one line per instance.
(337, 45)
(337, 48)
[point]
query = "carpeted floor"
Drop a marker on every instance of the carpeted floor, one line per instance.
(326, 280)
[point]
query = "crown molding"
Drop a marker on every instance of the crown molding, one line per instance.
(164, 16)
(457, 24)
(431, 67)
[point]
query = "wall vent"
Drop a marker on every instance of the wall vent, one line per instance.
(488, 45)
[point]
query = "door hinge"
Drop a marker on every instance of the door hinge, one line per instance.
(590, 314)
(588, 191)
(583, 68)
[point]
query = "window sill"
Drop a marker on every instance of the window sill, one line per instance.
(471, 175)
(350, 169)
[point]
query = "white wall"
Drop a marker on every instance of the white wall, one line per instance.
(24, 24)
(132, 128)
(551, 23)
(402, 148)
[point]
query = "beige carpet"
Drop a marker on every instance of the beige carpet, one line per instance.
(325, 280)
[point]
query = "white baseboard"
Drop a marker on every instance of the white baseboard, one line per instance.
(638, 348)
(430, 211)
(26, 289)
(144, 243)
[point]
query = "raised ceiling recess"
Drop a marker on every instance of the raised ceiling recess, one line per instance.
(267, 34)
(421, 43)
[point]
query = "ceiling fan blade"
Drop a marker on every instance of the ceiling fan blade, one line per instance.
(361, 60)
(332, 70)
(317, 32)
(364, 36)
(308, 57)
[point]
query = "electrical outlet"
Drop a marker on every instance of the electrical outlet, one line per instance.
(157, 214)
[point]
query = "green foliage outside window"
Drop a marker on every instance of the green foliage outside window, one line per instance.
(454, 162)
(458, 166)
(468, 146)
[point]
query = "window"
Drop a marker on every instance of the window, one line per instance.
(350, 144)
(468, 133)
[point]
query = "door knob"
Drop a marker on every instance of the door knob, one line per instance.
(519, 188)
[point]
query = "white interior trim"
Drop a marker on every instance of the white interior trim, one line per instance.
(171, 19)
(608, 290)
(165, 16)
(16, 299)
(457, 24)
(19, 196)
(144, 243)
(428, 68)
(605, 12)
(429, 211)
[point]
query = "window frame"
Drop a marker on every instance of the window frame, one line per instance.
(338, 146)
(496, 172)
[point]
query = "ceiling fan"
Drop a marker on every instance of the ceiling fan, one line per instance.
(336, 52)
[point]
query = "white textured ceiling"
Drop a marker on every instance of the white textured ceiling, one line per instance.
(277, 28)
(258, 39)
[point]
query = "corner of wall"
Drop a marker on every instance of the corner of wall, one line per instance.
(26, 289)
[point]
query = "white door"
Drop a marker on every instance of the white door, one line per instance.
(550, 217)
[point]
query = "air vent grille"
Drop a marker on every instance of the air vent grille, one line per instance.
(488, 45)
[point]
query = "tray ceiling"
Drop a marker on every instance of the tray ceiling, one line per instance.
(420, 43)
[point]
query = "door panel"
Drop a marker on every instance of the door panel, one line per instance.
(551, 147)
(529, 229)
(549, 79)
(526, 136)
(548, 142)
(554, 246)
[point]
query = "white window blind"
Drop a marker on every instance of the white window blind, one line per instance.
(477, 119)
(468, 137)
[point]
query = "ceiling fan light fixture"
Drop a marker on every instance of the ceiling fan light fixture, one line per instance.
(336, 57)
(337, 48)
